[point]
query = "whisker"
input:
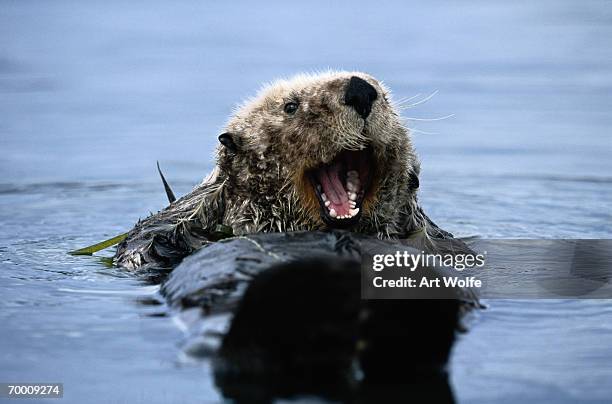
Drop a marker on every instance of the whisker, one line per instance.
(424, 100)
(405, 99)
(421, 132)
(428, 119)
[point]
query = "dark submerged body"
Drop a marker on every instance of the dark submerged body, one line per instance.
(299, 324)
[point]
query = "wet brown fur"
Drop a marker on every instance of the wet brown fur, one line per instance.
(262, 186)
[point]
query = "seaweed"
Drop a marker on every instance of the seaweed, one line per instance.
(89, 250)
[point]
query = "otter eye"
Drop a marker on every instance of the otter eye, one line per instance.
(291, 107)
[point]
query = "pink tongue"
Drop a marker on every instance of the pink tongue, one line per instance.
(329, 177)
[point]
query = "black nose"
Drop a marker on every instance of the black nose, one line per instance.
(360, 95)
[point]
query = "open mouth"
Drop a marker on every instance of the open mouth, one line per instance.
(342, 185)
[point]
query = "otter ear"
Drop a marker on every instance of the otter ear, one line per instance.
(413, 181)
(227, 140)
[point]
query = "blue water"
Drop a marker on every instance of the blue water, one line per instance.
(93, 93)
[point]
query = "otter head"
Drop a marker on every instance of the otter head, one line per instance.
(331, 143)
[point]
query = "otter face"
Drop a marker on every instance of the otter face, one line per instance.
(332, 139)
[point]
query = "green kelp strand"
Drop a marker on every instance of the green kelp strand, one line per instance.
(99, 246)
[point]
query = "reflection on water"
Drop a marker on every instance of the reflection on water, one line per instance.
(92, 94)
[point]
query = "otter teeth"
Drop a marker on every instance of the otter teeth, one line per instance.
(353, 191)
(352, 213)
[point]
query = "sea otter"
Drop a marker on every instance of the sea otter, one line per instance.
(313, 152)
